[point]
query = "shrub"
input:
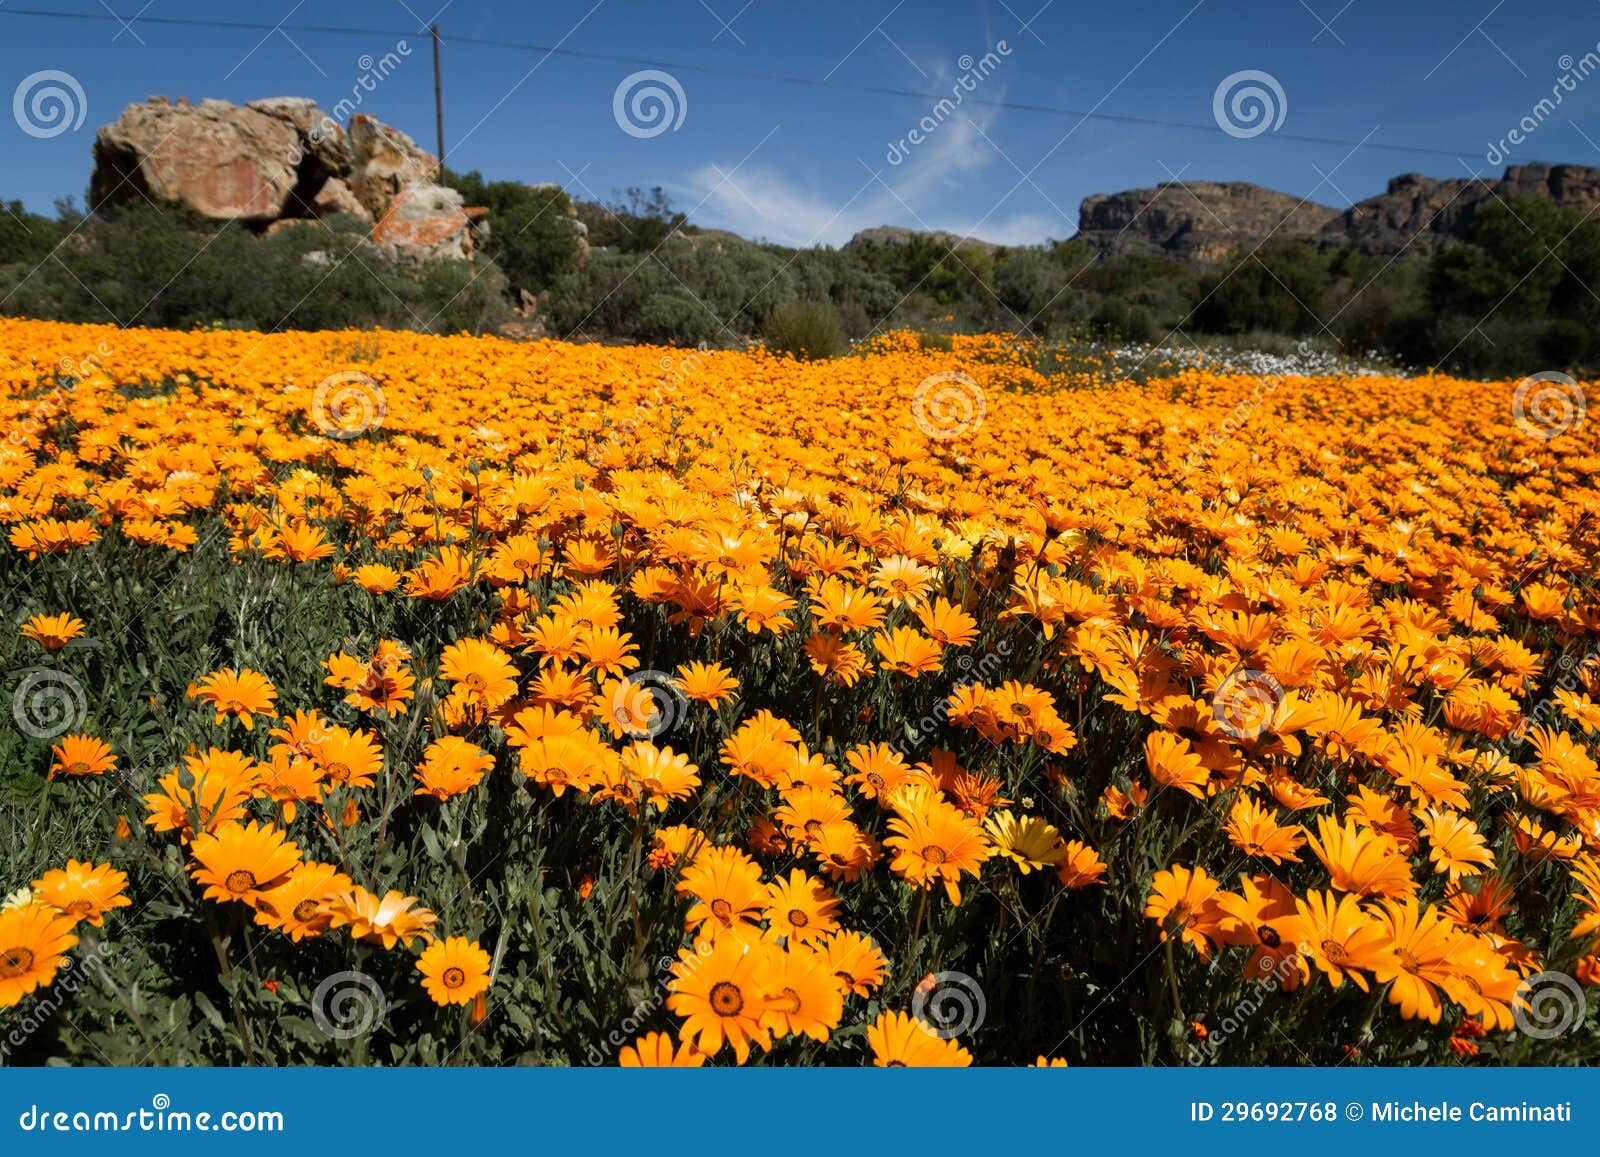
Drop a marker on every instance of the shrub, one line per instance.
(806, 330)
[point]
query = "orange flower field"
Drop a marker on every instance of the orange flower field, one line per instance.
(947, 703)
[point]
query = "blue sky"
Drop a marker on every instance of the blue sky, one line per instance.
(808, 163)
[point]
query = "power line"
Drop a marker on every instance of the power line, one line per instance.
(735, 73)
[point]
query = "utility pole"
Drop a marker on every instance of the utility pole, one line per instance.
(438, 98)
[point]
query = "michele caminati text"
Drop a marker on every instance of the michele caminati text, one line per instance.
(1409, 1112)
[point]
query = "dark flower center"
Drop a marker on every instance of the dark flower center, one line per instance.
(726, 999)
(15, 962)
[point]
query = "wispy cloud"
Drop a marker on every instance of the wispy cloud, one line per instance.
(920, 193)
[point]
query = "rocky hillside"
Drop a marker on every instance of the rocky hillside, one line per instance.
(1424, 213)
(1202, 219)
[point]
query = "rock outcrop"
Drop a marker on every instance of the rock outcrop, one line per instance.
(425, 223)
(1199, 219)
(219, 160)
(1421, 214)
(1417, 214)
(280, 160)
(895, 235)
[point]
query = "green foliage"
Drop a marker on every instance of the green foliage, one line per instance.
(639, 221)
(531, 230)
(26, 237)
(153, 267)
(805, 330)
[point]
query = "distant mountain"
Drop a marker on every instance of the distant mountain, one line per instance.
(1417, 214)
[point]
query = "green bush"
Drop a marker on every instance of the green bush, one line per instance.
(807, 330)
(154, 267)
(532, 234)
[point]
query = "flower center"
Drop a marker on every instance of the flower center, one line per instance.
(453, 978)
(240, 882)
(726, 999)
(78, 767)
(1268, 935)
(798, 918)
(305, 910)
(15, 962)
(934, 854)
(722, 910)
(1334, 951)
(339, 770)
(80, 908)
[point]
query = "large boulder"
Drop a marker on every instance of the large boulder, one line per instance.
(425, 222)
(336, 197)
(221, 161)
(282, 157)
(320, 135)
(383, 161)
(1199, 219)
